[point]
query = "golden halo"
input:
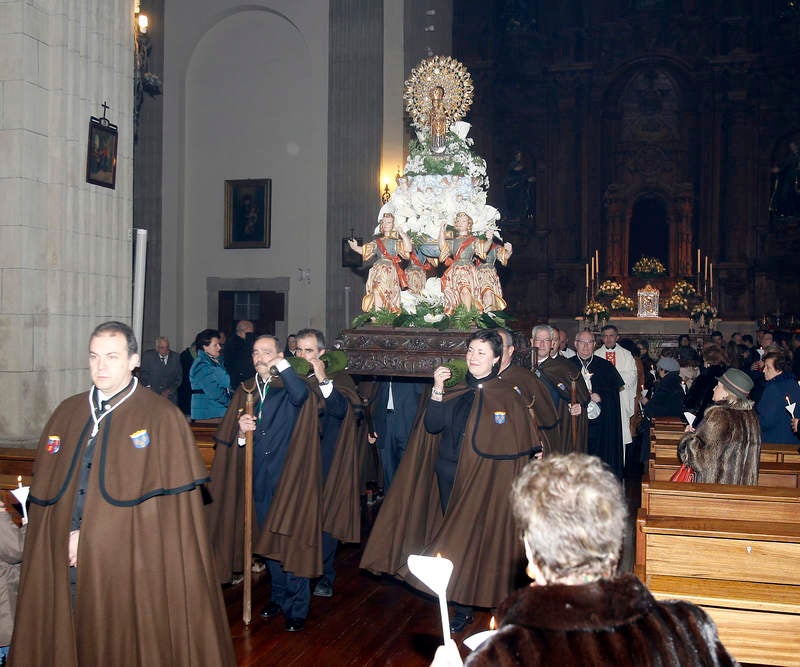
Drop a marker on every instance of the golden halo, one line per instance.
(442, 71)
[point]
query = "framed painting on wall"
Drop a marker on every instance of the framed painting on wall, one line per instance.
(248, 205)
(101, 153)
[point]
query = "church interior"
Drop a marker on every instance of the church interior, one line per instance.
(234, 148)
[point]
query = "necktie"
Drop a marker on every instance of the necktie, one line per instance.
(611, 357)
(164, 360)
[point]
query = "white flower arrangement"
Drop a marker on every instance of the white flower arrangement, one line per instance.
(649, 266)
(595, 308)
(676, 302)
(684, 288)
(435, 188)
(703, 310)
(622, 302)
(610, 288)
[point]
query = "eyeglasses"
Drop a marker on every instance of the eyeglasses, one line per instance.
(584, 342)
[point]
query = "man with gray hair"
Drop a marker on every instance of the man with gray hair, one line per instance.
(161, 370)
(567, 390)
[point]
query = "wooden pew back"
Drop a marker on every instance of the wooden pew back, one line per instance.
(734, 550)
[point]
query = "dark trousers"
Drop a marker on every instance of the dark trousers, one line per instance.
(392, 446)
(290, 592)
(329, 546)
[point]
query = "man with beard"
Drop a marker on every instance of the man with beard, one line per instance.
(558, 375)
(117, 567)
(286, 458)
(604, 383)
(534, 391)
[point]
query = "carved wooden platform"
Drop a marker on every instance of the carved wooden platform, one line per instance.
(400, 351)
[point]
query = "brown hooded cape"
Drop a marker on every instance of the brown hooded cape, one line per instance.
(477, 532)
(292, 530)
(558, 372)
(146, 593)
(535, 392)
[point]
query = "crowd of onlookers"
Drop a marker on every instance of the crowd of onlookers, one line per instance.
(201, 379)
(771, 362)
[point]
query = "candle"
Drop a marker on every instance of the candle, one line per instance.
(698, 261)
(592, 268)
(597, 261)
(711, 275)
(587, 275)
(706, 271)
(19, 477)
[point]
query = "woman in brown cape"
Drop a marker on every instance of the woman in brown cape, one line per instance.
(450, 495)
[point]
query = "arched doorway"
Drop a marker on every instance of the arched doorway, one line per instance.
(649, 230)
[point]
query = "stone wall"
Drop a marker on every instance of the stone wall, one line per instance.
(65, 249)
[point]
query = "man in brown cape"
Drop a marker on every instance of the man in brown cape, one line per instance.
(534, 391)
(558, 375)
(117, 568)
(287, 457)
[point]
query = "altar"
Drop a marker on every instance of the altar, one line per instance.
(660, 331)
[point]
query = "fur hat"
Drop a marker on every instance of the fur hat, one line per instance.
(737, 382)
(669, 365)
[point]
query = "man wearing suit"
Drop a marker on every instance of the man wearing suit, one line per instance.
(161, 370)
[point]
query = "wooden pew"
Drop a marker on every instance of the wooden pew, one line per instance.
(735, 551)
(204, 437)
(17, 461)
(770, 452)
(769, 473)
(666, 431)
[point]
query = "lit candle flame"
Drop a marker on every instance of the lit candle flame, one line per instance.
(492, 624)
(19, 481)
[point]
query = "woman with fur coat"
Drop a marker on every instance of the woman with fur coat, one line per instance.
(579, 612)
(726, 447)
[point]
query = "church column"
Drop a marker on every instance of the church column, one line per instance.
(65, 251)
(355, 105)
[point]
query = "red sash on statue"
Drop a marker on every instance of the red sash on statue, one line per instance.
(456, 255)
(394, 259)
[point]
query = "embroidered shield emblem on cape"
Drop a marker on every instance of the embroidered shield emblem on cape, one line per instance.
(53, 444)
(499, 417)
(140, 439)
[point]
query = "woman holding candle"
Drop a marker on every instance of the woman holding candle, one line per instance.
(726, 447)
(450, 493)
(578, 611)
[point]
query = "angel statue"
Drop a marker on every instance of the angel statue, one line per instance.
(488, 291)
(457, 252)
(386, 277)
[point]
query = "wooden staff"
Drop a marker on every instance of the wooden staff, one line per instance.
(574, 418)
(248, 514)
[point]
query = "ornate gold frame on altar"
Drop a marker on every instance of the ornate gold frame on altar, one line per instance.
(648, 301)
